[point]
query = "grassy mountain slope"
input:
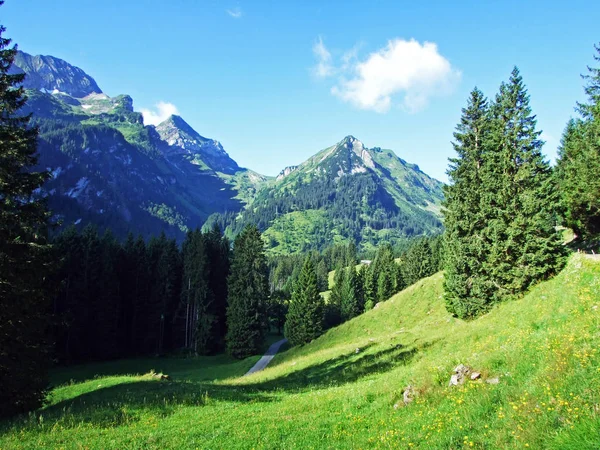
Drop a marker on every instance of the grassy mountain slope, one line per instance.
(346, 192)
(345, 389)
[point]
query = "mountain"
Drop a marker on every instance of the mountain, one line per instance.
(47, 73)
(108, 168)
(347, 192)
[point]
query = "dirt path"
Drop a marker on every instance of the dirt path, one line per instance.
(267, 357)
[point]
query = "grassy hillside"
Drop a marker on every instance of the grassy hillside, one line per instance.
(345, 389)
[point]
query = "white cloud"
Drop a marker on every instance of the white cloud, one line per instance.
(236, 12)
(162, 111)
(406, 70)
(324, 67)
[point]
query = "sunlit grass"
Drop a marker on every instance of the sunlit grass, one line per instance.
(345, 389)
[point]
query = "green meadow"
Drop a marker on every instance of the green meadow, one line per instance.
(345, 389)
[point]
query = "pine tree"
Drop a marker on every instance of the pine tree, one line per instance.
(350, 306)
(196, 296)
(385, 284)
(322, 276)
(304, 321)
(463, 218)
(333, 310)
(523, 246)
(219, 258)
(370, 289)
(248, 288)
(578, 164)
(24, 252)
(418, 262)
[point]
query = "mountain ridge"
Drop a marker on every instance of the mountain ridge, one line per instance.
(343, 193)
(49, 73)
(111, 169)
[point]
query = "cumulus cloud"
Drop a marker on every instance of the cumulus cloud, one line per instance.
(404, 70)
(161, 112)
(324, 66)
(236, 12)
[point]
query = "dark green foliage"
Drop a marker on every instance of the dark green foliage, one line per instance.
(578, 165)
(500, 204)
(115, 300)
(418, 262)
(464, 219)
(277, 310)
(333, 314)
(370, 288)
(204, 290)
(351, 302)
(304, 321)
(248, 287)
(284, 270)
(384, 273)
(24, 253)
(322, 276)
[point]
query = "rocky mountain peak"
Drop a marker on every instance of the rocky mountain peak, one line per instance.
(50, 74)
(351, 144)
(182, 139)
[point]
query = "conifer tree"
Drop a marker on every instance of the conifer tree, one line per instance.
(248, 288)
(578, 165)
(304, 321)
(196, 294)
(24, 252)
(370, 289)
(220, 257)
(520, 201)
(333, 314)
(463, 218)
(385, 284)
(351, 301)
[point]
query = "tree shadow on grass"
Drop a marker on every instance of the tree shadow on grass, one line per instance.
(150, 399)
(130, 402)
(343, 369)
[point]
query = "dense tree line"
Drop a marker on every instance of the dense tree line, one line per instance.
(146, 298)
(352, 204)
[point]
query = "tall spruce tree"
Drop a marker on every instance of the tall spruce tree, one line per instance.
(464, 219)
(23, 251)
(304, 321)
(219, 257)
(248, 288)
(520, 202)
(196, 295)
(333, 309)
(578, 164)
(351, 295)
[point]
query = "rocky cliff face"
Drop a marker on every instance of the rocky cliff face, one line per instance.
(47, 73)
(182, 139)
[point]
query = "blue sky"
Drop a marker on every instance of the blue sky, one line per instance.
(276, 82)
